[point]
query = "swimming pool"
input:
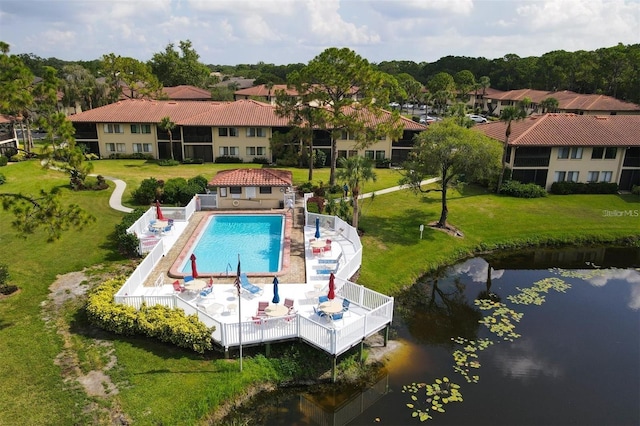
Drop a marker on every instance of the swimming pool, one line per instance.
(258, 239)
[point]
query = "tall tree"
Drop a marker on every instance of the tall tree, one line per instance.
(167, 125)
(447, 150)
(175, 68)
(465, 82)
(60, 151)
(79, 87)
(129, 78)
(549, 104)
(411, 87)
(347, 94)
(442, 87)
(356, 171)
(508, 115)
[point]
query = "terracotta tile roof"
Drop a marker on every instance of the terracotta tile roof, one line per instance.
(568, 129)
(143, 111)
(187, 92)
(6, 118)
(263, 91)
(567, 100)
(252, 177)
(244, 112)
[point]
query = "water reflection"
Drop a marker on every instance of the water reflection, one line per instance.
(525, 341)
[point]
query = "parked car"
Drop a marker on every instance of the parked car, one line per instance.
(477, 118)
(427, 119)
(394, 104)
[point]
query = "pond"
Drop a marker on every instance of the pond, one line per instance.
(545, 337)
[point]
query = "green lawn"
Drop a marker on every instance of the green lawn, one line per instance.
(161, 384)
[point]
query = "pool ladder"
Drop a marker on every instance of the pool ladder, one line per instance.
(229, 267)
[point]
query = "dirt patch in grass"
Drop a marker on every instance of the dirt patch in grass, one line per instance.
(449, 229)
(68, 292)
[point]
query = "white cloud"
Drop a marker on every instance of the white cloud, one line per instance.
(520, 360)
(477, 269)
(326, 23)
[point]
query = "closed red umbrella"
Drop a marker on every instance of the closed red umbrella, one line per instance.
(332, 287)
(194, 270)
(159, 211)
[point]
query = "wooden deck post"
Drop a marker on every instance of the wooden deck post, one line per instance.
(361, 352)
(334, 372)
(386, 335)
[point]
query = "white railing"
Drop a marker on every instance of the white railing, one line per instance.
(378, 307)
(138, 277)
(207, 201)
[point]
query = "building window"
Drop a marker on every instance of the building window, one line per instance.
(113, 128)
(559, 176)
(251, 150)
(228, 131)
(229, 150)
(344, 135)
(256, 132)
(572, 176)
(235, 190)
(142, 147)
(223, 191)
(380, 155)
(593, 176)
(610, 153)
(606, 176)
(597, 153)
(111, 147)
(368, 154)
(265, 190)
(563, 152)
(576, 153)
(141, 128)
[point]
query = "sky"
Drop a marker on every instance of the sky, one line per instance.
(295, 31)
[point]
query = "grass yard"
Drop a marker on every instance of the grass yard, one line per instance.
(160, 384)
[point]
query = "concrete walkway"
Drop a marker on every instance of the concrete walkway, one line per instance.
(115, 202)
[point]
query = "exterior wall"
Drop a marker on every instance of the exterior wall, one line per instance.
(380, 145)
(585, 165)
(248, 200)
(242, 141)
(127, 138)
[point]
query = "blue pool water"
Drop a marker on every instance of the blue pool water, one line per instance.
(258, 239)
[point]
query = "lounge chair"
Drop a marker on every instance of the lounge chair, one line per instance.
(316, 251)
(327, 246)
(323, 299)
(329, 271)
(257, 320)
(247, 286)
(188, 278)
(206, 291)
(336, 260)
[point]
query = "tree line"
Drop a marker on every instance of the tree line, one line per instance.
(612, 71)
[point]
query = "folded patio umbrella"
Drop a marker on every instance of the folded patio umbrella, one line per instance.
(332, 287)
(317, 227)
(159, 211)
(194, 270)
(276, 296)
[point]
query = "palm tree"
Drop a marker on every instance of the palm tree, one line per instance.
(167, 125)
(508, 115)
(355, 171)
(549, 105)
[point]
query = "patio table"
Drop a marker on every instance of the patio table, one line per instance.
(195, 285)
(331, 307)
(276, 311)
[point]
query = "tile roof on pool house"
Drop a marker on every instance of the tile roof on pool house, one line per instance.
(253, 177)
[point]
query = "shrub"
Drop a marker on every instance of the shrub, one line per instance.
(168, 163)
(132, 156)
(513, 188)
(564, 188)
(3, 160)
(319, 159)
(3, 179)
(228, 159)
(193, 161)
(179, 191)
(305, 187)
(635, 190)
(261, 160)
(11, 151)
(128, 243)
(383, 163)
(165, 324)
(201, 182)
(148, 191)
